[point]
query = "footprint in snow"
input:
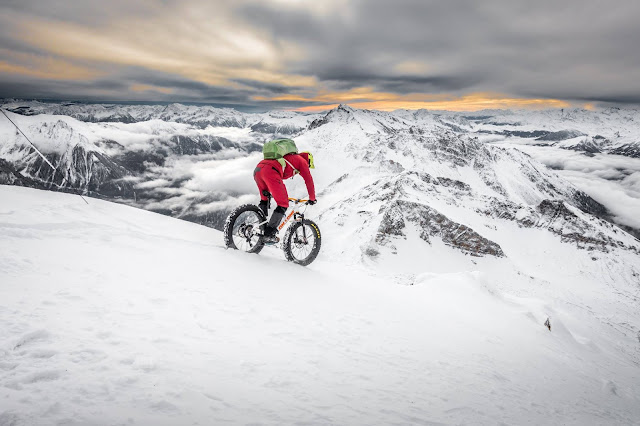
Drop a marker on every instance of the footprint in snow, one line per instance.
(41, 376)
(30, 338)
(32, 378)
(43, 353)
(8, 366)
(165, 407)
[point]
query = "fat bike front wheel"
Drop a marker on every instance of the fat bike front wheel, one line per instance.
(302, 242)
(242, 229)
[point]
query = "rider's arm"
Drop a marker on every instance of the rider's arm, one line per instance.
(303, 168)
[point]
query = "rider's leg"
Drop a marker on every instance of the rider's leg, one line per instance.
(271, 229)
(276, 186)
(278, 191)
(263, 189)
(258, 176)
(264, 207)
(274, 220)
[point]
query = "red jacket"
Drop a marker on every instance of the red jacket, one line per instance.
(301, 163)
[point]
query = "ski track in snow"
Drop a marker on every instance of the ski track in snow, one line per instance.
(111, 315)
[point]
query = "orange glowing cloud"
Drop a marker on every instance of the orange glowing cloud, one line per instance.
(390, 102)
(212, 52)
(44, 67)
(357, 94)
(149, 88)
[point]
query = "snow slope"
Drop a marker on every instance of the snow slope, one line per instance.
(113, 315)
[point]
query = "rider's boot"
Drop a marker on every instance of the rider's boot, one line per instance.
(264, 207)
(272, 227)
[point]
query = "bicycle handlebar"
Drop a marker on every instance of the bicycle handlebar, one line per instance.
(297, 200)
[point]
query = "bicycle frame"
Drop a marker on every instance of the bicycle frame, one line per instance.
(297, 215)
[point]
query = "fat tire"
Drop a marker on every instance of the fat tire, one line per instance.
(230, 222)
(288, 239)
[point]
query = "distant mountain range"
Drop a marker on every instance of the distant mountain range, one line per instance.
(411, 165)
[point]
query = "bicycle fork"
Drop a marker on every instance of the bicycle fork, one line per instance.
(299, 217)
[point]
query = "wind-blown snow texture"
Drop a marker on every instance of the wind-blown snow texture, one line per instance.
(113, 315)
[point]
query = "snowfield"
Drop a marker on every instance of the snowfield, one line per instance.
(111, 315)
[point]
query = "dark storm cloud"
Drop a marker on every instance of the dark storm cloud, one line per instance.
(576, 49)
(8, 42)
(346, 79)
(267, 88)
(84, 12)
(582, 50)
(113, 88)
(139, 75)
(55, 89)
(631, 99)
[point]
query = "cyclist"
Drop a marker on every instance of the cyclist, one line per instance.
(269, 176)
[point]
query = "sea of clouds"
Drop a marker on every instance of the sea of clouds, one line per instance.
(612, 180)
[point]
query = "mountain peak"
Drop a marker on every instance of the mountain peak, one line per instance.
(342, 113)
(345, 108)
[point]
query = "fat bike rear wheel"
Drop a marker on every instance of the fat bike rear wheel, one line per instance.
(302, 242)
(242, 230)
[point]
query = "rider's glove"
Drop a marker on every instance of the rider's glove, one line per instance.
(312, 202)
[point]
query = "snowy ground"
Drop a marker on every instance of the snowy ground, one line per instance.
(111, 316)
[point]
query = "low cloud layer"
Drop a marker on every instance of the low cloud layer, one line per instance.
(201, 183)
(612, 180)
(269, 54)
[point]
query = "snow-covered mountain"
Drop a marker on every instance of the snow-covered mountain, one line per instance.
(198, 116)
(409, 173)
(160, 157)
(81, 163)
(612, 130)
(98, 152)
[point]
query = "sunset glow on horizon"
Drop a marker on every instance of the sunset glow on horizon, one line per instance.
(473, 102)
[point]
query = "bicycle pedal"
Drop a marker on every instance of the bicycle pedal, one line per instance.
(271, 241)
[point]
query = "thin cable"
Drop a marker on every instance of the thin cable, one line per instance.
(55, 169)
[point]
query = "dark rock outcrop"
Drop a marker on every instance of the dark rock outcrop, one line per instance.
(629, 150)
(556, 217)
(560, 135)
(432, 223)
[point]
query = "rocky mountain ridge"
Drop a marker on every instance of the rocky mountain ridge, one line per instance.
(282, 122)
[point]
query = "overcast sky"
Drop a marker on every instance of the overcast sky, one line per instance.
(455, 54)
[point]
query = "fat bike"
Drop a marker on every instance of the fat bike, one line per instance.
(244, 230)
